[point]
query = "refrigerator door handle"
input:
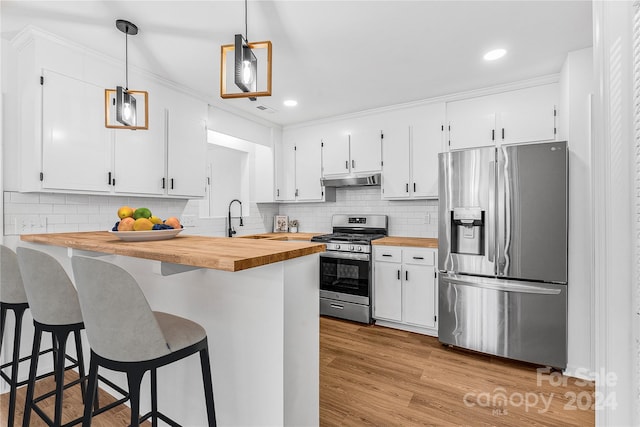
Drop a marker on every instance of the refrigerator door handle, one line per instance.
(491, 243)
(499, 285)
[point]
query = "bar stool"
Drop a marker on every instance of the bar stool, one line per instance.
(13, 298)
(125, 335)
(54, 304)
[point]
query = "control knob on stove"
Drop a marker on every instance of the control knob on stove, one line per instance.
(352, 248)
(358, 248)
(337, 246)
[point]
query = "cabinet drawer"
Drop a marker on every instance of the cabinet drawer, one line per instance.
(418, 256)
(388, 254)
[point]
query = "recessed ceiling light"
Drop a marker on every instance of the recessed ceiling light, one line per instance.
(290, 103)
(494, 54)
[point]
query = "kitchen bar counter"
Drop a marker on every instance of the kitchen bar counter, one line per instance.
(258, 300)
(282, 236)
(416, 242)
(220, 253)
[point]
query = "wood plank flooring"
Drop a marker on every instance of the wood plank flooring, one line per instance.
(375, 376)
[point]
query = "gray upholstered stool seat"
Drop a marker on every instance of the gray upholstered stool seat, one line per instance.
(13, 298)
(55, 308)
(125, 335)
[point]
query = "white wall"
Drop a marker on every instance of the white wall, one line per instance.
(616, 165)
(576, 81)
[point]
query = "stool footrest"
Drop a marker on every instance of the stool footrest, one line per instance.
(160, 415)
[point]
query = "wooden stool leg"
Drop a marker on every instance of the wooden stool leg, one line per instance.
(37, 337)
(208, 386)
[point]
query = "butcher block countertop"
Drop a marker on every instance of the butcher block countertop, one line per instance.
(282, 236)
(416, 242)
(220, 253)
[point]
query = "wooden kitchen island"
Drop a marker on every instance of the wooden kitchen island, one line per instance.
(258, 301)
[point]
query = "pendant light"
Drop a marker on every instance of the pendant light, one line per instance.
(245, 65)
(126, 112)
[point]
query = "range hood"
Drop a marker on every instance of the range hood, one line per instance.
(352, 181)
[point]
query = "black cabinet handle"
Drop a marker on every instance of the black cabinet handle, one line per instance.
(278, 192)
(353, 164)
(414, 187)
(163, 182)
(113, 182)
(406, 275)
(493, 134)
(502, 133)
(172, 183)
(418, 257)
(398, 274)
(346, 164)
(407, 187)
(387, 255)
(109, 179)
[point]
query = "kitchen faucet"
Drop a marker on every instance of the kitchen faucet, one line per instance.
(231, 231)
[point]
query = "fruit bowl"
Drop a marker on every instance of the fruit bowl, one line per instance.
(146, 236)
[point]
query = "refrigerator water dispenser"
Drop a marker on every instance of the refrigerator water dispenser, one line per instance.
(467, 231)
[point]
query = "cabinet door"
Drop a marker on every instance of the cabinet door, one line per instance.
(140, 156)
(335, 154)
(365, 150)
(286, 171)
(396, 160)
(308, 169)
(387, 296)
(527, 115)
(185, 154)
(418, 296)
(76, 146)
(426, 142)
(471, 122)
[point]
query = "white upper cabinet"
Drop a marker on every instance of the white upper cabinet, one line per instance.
(76, 147)
(350, 147)
(65, 146)
(286, 171)
(139, 156)
(185, 155)
(308, 170)
(396, 155)
(427, 140)
(299, 167)
(365, 149)
(335, 153)
(523, 115)
(410, 147)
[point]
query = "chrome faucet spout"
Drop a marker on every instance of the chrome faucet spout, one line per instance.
(231, 231)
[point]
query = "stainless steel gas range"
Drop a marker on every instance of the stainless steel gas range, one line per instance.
(345, 268)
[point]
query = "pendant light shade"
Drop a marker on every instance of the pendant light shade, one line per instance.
(251, 67)
(122, 103)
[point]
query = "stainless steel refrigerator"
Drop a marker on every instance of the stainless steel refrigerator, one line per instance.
(503, 251)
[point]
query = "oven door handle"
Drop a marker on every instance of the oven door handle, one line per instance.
(346, 255)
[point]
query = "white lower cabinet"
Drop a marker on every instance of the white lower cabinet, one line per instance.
(404, 288)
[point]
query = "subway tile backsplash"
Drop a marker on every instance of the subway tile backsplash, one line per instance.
(407, 218)
(54, 212)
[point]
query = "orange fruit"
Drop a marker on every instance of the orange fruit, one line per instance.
(126, 224)
(173, 221)
(142, 224)
(125, 212)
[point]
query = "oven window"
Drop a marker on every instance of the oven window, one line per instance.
(344, 275)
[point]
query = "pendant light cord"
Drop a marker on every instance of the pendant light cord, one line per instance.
(246, 32)
(126, 58)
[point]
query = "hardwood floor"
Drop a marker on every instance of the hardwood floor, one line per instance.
(72, 406)
(370, 375)
(375, 376)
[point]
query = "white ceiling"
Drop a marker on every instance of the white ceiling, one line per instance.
(334, 57)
